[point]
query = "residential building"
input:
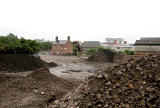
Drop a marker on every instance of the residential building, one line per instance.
(62, 47)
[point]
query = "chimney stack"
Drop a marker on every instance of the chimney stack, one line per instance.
(56, 38)
(115, 42)
(68, 38)
(125, 42)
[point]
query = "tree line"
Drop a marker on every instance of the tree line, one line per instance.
(11, 44)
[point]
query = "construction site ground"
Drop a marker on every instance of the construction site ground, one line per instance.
(73, 67)
(39, 89)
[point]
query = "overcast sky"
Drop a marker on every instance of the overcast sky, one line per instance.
(81, 19)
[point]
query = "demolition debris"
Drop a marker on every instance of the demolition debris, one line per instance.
(134, 84)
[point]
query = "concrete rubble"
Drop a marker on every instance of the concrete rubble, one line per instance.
(134, 84)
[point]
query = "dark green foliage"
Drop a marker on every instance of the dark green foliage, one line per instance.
(75, 49)
(129, 52)
(46, 46)
(10, 44)
(93, 51)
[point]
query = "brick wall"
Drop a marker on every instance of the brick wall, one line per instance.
(62, 49)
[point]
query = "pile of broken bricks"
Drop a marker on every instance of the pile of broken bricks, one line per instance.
(134, 84)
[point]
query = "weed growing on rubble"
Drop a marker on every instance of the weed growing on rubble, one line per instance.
(93, 51)
(129, 52)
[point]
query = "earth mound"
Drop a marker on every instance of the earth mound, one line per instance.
(37, 90)
(21, 62)
(134, 84)
(107, 55)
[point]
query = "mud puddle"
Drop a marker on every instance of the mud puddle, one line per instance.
(77, 71)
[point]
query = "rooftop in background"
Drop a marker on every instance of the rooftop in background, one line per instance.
(91, 44)
(114, 39)
(57, 41)
(150, 38)
(148, 41)
(60, 42)
(39, 40)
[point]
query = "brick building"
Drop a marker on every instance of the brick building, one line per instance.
(62, 47)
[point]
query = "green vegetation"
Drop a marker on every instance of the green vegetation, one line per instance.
(45, 46)
(128, 52)
(93, 51)
(75, 49)
(10, 44)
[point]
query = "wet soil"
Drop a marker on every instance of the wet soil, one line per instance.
(39, 89)
(73, 66)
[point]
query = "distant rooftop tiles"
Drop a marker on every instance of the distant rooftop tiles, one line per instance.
(148, 41)
(60, 42)
(91, 44)
(113, 39)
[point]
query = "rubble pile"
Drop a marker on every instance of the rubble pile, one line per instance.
(107, 56)
(21, 62)
(119, 57)
(134, 84)
(37, 90)
(4, 77)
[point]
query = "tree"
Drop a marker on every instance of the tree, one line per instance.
(46, 46)
(10, 44)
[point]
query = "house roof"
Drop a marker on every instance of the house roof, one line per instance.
(113, 39)
(147, 42)
(150, 38)
(91, 44)
(60, 42)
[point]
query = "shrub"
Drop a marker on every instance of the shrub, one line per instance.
(45, 46)
(93, 51)
(10, 44)
(128, 52)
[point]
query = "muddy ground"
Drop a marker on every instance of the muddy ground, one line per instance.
(38, 89)
(73, 67)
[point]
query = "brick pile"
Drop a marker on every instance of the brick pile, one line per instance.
(134, 84)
